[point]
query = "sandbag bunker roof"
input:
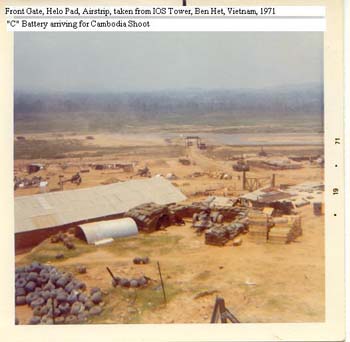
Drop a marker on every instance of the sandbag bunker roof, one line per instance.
(70, 206)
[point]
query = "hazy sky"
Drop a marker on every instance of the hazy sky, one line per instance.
(119, 62)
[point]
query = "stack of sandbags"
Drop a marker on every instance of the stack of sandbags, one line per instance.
(259, 224)
(285, 230)
(148, 216)
(236, 228)
(217, 236)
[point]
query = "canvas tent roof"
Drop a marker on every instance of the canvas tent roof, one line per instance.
(65, 207)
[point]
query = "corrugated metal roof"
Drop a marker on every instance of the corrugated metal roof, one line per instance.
(308, 186)
(97, 231)
(64, 207)
(266, 195)
(273, 197)
(221, 201)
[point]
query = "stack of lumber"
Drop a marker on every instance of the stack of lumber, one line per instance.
(259, 224)
(286, 229)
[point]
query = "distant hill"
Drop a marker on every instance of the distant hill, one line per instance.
(59, 111)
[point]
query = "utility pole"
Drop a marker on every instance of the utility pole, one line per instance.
(61, 182)
(161, 281)
(273, 180)
(244, 181)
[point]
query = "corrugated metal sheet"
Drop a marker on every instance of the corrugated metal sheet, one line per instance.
(97, 231)
(266, 195)
(65, 207)
(273, 197)
(221, 201)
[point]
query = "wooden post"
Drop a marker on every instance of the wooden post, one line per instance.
(220, 311)
(221, 303)
(61, 181)
(231, 317)
(111, 274)
(53, 310)
(161, 281)
(244, 181)
(273, 180)
(215, 312)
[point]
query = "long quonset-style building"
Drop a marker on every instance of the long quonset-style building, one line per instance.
(39, 216)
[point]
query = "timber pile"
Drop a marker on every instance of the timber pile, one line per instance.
(259, 225)
(286, 229)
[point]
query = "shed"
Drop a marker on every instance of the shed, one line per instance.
(97, 231)
(269, 197)
(32, 168)
(39, 216)
(100, 167)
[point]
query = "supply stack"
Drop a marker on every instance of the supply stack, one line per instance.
(285, 230)
(259, 225)
(217, 236)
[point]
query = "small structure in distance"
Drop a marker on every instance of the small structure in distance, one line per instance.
(34, 167)
(189, 140)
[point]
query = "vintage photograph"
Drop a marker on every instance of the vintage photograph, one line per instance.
(169, 177)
